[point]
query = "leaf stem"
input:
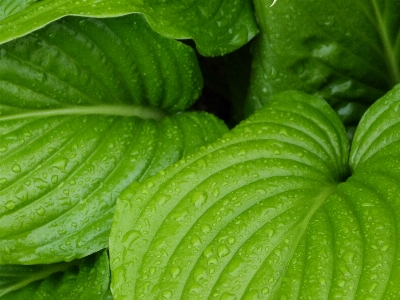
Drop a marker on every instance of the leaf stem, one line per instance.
(109, 110)
(391, 57)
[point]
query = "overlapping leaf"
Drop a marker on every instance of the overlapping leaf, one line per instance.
(83, 117)
(88, 278)
(217, 27)
(339, 50)
(79, 61)
(262, 213)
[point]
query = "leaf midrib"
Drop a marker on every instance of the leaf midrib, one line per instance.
(108, 110)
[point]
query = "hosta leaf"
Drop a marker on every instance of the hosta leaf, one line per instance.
(379, 131)
(60, 176)
(85, 279)
(342, 51)
(263, 213)
(98, 61)
(77, 128)
(214, 223)
(217, 27)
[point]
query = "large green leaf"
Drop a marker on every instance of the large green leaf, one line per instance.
(342, 51)
(217, 27)
(267, 212)
(79, 123)
(79, 61)
(88, 278)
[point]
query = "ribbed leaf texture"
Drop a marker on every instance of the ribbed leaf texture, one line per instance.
(268, 211)
(82, 118)
(217, 26)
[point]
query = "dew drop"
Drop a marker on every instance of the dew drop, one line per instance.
(215, 192)
(175, 271)
(231, 240)
(16, 168)
(40, 211)
(199, 198)
(223, 251)
(54, 179)
(205, 228)
(167, 294)
(10, 205)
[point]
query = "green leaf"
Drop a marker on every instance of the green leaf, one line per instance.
(268, 212)
(78, 126)
(78, 61)
(217, 27)
(341, 51)
(86, 279)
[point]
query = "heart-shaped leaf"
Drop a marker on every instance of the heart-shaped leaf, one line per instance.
(82, 118)
(341, 51)
(263, 213)
(217, 27)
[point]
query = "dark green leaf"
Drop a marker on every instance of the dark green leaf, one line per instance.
(88, 279)
(79, 61)
(340, 51)
(217, 27)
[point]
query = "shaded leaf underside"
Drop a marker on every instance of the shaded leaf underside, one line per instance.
(85, 279)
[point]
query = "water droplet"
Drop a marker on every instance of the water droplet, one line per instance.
(3, 180)
(150, 185)
(167, 294)
(231, 240)
(54, 179)
(61, 163)
(10, 205)
(16, 168)
(3, 149)
(175, 271)
(385, 247)
(215, 192)
(205, 228)
(228, 296)
(40, 211)
(199, 198)
(223, 251)
(131, 236)
(265, 291)
(40, 183)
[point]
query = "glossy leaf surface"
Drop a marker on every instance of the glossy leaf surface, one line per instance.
(341, 51)
(217, 26)
(267, 212)
(83, 117)
(79, 61)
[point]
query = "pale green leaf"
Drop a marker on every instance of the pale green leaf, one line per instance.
(269, 211)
